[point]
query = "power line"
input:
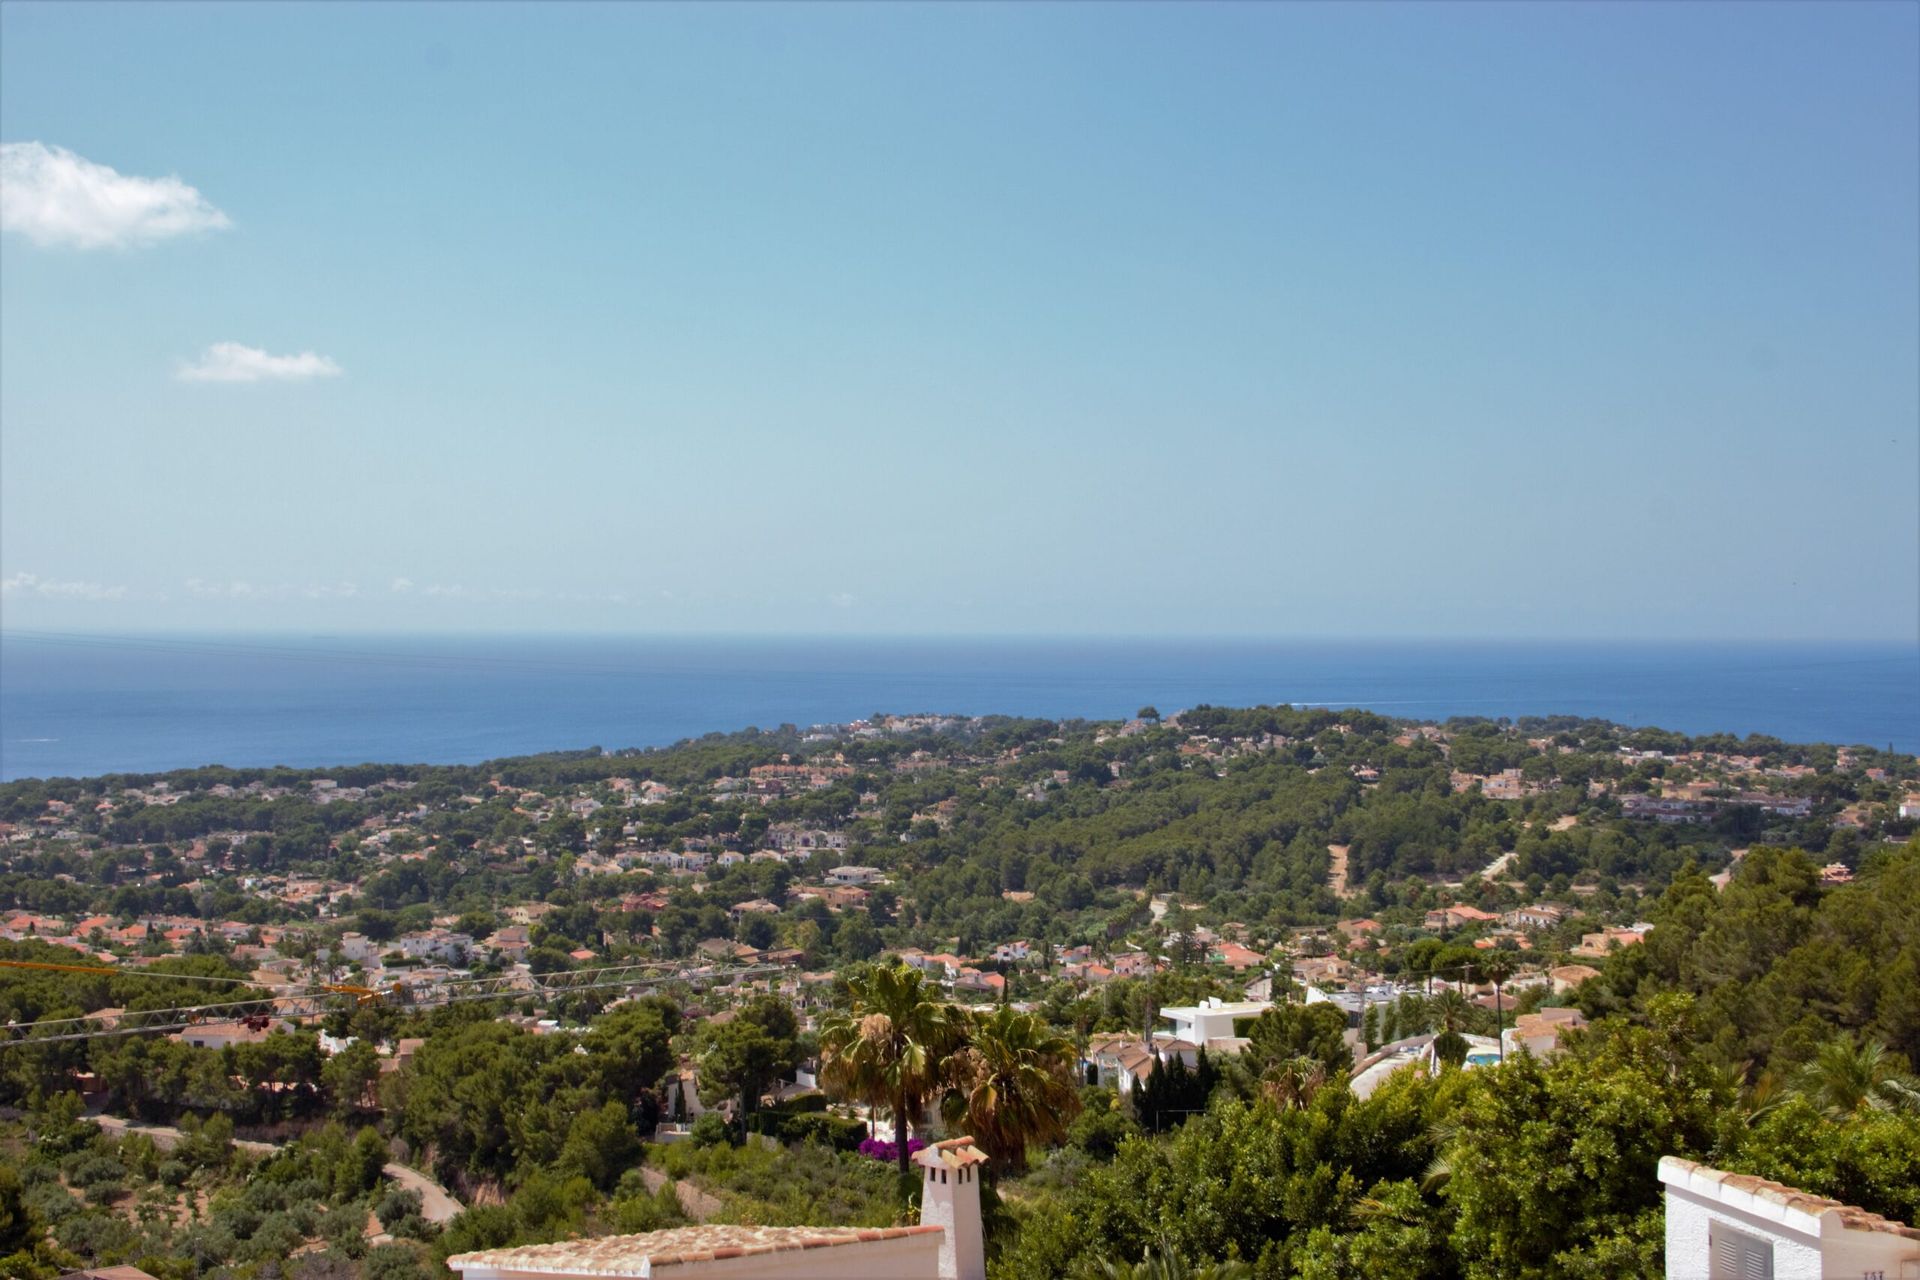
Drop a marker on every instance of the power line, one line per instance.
(294, 1006)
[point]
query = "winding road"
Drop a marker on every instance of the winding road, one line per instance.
(437, 1204)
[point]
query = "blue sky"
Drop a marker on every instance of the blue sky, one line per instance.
(1284, 320)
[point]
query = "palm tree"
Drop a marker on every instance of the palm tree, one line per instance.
(1848, 1075)
(1293, 1083)
(1449, 1011)
(889, 1048)
(1011, 1084)
(1759, 1096)
(1439, 1170)
(1498, 966)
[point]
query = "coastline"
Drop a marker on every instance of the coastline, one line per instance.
(150, 703)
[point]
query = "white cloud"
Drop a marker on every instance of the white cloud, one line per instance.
(401, 586)
(331, 591)
(235, 362)
(201, 589)
(460, 591)
(58, 199)
(841, 600)
(240, 589)
(30, 584)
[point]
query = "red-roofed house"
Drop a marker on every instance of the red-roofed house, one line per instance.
(1237, 957)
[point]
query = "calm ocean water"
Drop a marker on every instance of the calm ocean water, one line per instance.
(80, 705)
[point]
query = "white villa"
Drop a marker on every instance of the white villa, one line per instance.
(1732, 1226)
(1210, 1023)
(946, 1245)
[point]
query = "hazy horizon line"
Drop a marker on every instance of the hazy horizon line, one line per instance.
(995, 637)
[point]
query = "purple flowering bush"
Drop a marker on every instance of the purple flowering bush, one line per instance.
(875, 1149)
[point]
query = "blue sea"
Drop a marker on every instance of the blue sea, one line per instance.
(77, 705)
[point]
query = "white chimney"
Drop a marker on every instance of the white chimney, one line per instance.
(950, 1198)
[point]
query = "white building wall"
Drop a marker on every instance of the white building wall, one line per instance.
(1690, 1221)
(950, 1198)
(1810, 1237)
(1851, 1254)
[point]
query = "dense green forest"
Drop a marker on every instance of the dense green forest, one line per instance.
(1233, 810)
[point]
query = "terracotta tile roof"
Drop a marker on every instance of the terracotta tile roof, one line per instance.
(631, 1255)
(954, 1153)
(1573, 973)
(1852, 1217)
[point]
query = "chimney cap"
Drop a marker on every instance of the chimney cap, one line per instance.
(954, 1153)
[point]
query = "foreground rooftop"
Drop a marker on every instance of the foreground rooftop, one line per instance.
(642, 1255)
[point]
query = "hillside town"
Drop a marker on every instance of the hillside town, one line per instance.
(1257, 903)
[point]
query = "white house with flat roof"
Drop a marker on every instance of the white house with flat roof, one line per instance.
(1733, 1226)
(1209, 1021)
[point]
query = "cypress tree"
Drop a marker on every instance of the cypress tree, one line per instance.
(1205, 1077)
(1178, 1098)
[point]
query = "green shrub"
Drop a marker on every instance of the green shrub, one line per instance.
(343, 1228)
(37, 1172)
(710, 1130)
(393, 1262)
(277, 1238)
(90, 1171)
(1100, 1133)
(97, 1234)
(50, 1203)
(413, 1227)
(837, 1132)
(641, 1211)
(484, 1226)
(207, 1246)
(106, 1192)
(396, 1204)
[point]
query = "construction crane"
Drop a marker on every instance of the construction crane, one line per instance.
(317, 999)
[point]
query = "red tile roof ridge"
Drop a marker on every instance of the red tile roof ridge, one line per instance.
(954, 1153)
(625, 1255)
(1853, 1216)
